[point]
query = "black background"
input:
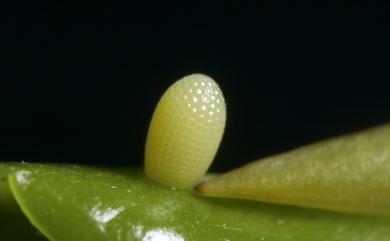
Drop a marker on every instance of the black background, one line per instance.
(79, 81)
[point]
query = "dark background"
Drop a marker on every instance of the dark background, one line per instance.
(79, 81)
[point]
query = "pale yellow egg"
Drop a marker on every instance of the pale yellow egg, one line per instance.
(185, 132)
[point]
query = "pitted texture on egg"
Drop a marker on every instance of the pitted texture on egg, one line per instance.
(185, 131)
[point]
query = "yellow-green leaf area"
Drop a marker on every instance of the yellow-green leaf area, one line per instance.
(73, 203)
(349, 173)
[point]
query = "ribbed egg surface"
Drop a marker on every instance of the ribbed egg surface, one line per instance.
(185, 131)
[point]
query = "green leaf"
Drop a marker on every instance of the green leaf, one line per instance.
(73, 203)
(13, 223)
(349, 173)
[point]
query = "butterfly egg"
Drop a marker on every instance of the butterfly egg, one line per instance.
(185, 132)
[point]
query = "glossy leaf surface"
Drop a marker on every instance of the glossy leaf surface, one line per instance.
(349, 173)
(73, 203)
(14, 226)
